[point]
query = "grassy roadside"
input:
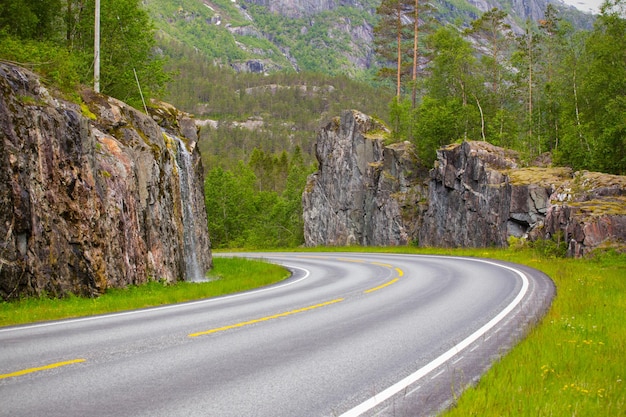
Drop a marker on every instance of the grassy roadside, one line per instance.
(572, 363)
(229, 275)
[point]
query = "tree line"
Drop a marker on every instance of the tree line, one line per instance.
(56, 39)
(257, 204)
(551, 89)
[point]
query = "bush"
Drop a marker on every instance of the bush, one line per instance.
(53, 63)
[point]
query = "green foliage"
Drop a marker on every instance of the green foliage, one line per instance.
(554, 247)
(439, 122)
(223, 33)
(302, 99)
(127, 46)
(318, 45)
(552, 90)
(55, 38)
(257, 204)
(400, 116)
(30, 19)
(604, 89)
(53, 62)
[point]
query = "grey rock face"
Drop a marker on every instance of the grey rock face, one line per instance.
(479, 197)
(364, 193)
(469, 197)
(92, 196)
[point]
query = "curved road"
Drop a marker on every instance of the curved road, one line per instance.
(346, 335)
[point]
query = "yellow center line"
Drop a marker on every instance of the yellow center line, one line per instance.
(380, 264)
(356, 261)
(381, 286)
(40, 368)
(275, 316)
(398, 270)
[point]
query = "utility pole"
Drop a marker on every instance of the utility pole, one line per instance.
(96, 50)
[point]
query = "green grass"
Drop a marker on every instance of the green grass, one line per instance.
(229, 275)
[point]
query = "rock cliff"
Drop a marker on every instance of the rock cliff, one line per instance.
(469, 197)
(364, 193)
(477, 195)
(96, 195)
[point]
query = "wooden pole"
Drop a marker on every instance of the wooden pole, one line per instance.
(96, 50)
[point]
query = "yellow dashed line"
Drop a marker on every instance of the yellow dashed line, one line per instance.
(275, 316)
(299, 310)
(381, 286)
(40, 368)
(398, 270)
(356, 261)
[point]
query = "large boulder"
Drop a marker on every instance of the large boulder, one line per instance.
(94, 195)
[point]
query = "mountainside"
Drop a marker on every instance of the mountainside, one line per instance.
(329, 36)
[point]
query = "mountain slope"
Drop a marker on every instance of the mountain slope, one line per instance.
(329, 36)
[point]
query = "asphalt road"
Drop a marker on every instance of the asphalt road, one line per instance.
(347, 335)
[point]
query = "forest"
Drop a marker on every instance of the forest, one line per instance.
(551, 92)
(55, 38)
(551, 89)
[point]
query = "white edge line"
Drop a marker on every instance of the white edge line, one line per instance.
(167, 307)
(420, 373)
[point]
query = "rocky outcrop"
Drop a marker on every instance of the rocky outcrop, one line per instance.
(589, 212)
(364, 193)
(96, 195)
(478, 197)
(469, 197)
